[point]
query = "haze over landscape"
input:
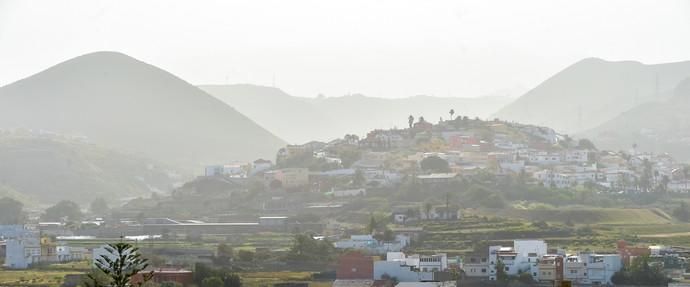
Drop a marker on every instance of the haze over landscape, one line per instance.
(354, 143)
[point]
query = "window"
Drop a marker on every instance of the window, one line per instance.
(507, 268)
(483, 270)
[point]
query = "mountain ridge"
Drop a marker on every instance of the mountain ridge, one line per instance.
(301, 119)
(592, 91)
(124, 103)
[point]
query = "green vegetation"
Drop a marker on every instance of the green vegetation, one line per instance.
(11, 211)
(52, 278)
(434, 164)
(64, 209)
(117, 268)
(39, 170)
(307, 249)
(215, 277)
(641, 272)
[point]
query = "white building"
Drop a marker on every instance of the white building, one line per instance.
(678, 186)
(349, 192)
(369, 244)
(544, 158)
(413, 268)
(23, 251)
(521, 257)
(476, 265)
(12, 231)
(551, 178)
(260, 165)
(578, 155)
(232, 170)
(591, 269)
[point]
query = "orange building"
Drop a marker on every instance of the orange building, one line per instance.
(628, 253)
(354, 265)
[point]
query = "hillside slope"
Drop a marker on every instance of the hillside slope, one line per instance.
(44, 170)
(656, 127)
(299, 120)
(592, 91)
(120, 102)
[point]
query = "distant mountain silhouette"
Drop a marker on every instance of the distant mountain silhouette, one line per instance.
(294, 119)
(593, 91)
(300, 120)
(122, 103)
(655, 126)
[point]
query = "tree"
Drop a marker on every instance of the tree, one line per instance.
(99, 206)
(410, 121)
(388, 235)
(371, 227)
(359, 180)
(586, 144)
(275, 184)
(122, 262)
(11, 211)
(246, 255)
(212, 282)
(63, 210)
(501, 274)
(232, 280)
(640, 272)
(202, 273)
(526, 278)
(452, 112)
(307, 249)
(681, 212)
(427, 210)
(223, 250)
(434, 164)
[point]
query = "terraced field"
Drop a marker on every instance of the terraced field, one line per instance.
(595, 229)
(632, 216)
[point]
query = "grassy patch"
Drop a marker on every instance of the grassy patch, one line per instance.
(33, 277)
(632, 216)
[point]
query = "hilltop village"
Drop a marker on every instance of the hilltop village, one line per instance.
(456, 201)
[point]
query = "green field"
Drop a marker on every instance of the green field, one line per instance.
(632, 216)
(255, 279)
(33, 277)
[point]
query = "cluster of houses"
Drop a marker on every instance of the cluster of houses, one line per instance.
(537, 154)
(23, 247)
(357, 269)
(543, 265)
(530, 257)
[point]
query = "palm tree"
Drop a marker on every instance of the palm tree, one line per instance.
(410, 120)
(452, 112)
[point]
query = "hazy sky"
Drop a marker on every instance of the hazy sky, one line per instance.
(379, 48)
